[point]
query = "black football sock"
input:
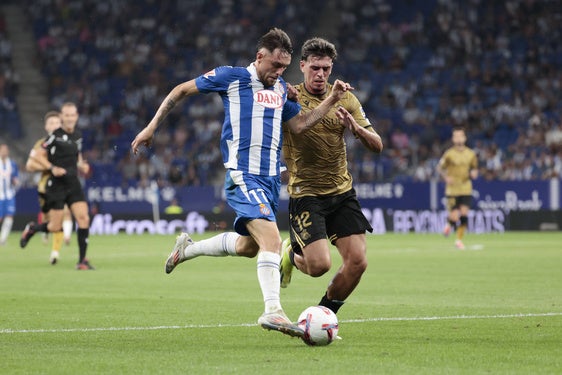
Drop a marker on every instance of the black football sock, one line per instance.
(82, 242)
(332, 304)
(453, 224)
(41, 227)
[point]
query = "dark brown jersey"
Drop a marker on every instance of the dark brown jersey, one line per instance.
(316, 159)
(457, 164)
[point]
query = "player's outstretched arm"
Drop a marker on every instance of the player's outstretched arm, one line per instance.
(369, 137)
(181, 91)
(304, 121)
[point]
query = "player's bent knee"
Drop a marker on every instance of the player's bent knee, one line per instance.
(83, 221)
(317, 270)
(361, 267)
(246, 247)
(54, 228)
(247, 252)
(356, 266)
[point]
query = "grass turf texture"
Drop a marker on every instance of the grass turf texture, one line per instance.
(422, 307)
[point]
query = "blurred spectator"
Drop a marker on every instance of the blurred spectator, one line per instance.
(173, 208)
(418, 67)
(553, 137)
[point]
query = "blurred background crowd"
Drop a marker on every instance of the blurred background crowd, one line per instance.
(419, 68)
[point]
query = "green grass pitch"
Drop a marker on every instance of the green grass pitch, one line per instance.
(422, 307)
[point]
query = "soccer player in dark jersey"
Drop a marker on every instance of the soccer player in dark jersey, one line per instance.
(63, 150)
(323, 205)
(41, 164)
(458, 166)
(255, 103)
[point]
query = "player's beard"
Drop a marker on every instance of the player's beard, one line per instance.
(317, 88)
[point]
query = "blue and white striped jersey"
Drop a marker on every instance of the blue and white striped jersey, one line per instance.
(8, 172)
(252, 133)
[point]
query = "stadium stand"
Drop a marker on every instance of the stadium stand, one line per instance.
(420, 68)
(10, 124)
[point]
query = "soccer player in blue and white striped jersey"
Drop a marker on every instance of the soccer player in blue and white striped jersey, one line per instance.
(256, 105)
(8, 183)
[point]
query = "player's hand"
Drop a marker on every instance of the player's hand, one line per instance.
(292, 93)
(84, 167)
(347, 119)
(340, 88)
(144, 138)
(58, 171)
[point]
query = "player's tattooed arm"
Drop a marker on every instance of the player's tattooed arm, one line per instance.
(166, 107)
(304, 121)
(170, 104)
(178, 93)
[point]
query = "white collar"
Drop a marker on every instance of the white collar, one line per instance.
(253, 72)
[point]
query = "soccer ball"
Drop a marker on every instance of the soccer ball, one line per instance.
(320, 325)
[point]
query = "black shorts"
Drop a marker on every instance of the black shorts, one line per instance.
(61, 191)
(315, 218)
(454, 202)
(43, 202)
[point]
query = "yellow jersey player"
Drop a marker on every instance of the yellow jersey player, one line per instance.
(458, 166)
(323, 204)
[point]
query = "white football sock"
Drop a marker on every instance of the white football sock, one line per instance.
(269, 279)
(221, 245)
(67, 228)
(6, 228)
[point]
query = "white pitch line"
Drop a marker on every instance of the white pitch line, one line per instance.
(199, 326)
(453, 317)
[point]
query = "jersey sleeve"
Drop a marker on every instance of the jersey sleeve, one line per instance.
(356, 110)
(474, 161)
(216, 80)
(78, 139)
(48, 141)
(38, 144)
(290, 110)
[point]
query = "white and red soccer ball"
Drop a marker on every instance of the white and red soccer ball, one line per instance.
(320, 325)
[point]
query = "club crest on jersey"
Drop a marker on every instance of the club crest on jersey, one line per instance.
(210, 73)
(279, 88)
(268, 99)
(264, 210)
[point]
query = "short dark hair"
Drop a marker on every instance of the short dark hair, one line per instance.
(318, 47)
(69, 104)
(50, 114)
(276, 38)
